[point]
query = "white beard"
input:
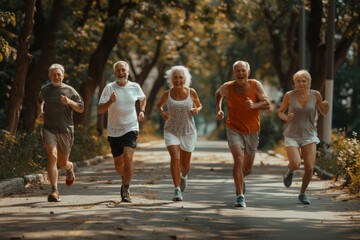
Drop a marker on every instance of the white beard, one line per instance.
(121, 80)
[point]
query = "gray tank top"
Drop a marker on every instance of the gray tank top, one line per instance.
(181, 121)
(303, 125)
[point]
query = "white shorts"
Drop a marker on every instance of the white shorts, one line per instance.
(187, 143)
(299, 142)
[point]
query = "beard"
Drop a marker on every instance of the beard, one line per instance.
(121, 79)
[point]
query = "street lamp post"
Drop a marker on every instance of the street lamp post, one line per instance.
(329, 82)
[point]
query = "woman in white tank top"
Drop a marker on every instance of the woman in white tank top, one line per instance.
(182, 103)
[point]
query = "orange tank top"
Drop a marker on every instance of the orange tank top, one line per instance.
(240, 118)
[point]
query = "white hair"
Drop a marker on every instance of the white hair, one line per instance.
(123, 62)
(56, 66)
(169, 74)
(242, 62)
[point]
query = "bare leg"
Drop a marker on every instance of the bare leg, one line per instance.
(248, 164)
(174, 151)
(128, 164)
(52, 164)
(63, 161)
(294, 157)
(238, 175)
(309, 155)
(124, 165)
(185, 158)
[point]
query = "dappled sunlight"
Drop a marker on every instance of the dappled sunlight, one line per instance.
(92, 206)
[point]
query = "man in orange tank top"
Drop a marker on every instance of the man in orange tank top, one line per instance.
(245, 99)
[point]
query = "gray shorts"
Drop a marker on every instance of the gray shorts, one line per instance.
(63, 141)
(248, 142)
(299, 142)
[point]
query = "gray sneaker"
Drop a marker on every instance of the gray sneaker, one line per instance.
(303, 199)
(125, 195)
(288, 178)
(240, 201)
(183, 183)
(177, 195)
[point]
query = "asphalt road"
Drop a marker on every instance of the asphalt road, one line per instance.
(91, 210)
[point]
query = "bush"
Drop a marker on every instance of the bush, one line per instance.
(20, 154)
(88, 144)
(348, 160)
(24, 153)
(342, 158)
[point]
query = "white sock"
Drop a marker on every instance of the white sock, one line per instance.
(183, 177)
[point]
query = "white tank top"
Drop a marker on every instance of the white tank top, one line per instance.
(181, 121)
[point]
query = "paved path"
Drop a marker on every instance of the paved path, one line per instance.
(90, 209)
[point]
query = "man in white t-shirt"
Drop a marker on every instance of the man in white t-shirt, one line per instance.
(118, 99)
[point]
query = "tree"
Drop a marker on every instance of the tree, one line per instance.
(117, 13)
(22, 63)
(45, 46)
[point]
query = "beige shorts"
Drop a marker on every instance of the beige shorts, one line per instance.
(63, 141)
(248, 142)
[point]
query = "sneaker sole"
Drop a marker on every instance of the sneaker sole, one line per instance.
(52, 199)
(237, 205)
(177, 199)
(287, 183)
(71, 181)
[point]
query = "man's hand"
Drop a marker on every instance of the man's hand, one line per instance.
(220, 115)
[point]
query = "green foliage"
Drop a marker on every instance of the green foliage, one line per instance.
(342, 158)
(271, 130)
(20, 154)
(87, 144)
(24, 153)
(5, 19)
(348, 160)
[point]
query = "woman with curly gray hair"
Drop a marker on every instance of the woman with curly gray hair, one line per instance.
(182, 103)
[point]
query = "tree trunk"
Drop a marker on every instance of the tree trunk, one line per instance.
(23, 61)
(98, 60)
(158, 84)
(41, 66)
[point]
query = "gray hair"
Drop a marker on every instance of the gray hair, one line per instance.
(242, 62)
(56, 66)
(123, 62)
(169, 74)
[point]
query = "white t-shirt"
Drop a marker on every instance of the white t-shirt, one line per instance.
(122, 116)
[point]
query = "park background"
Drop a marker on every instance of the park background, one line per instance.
(208, 36)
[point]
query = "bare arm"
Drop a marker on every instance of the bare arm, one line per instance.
(160, 105)
(103, 107)
(41, 111)
(322, 106)
(142, 103)
(219, 96)
(197, 104)
(283, 106)
(264, 102)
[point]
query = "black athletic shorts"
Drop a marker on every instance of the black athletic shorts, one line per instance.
(117, 144)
